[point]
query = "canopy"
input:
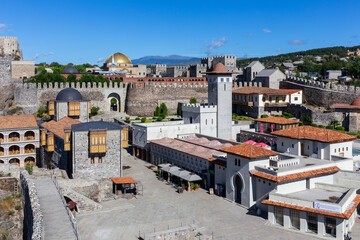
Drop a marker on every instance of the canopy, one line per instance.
(251, 142)
(181, 173)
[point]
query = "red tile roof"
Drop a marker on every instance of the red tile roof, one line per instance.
(277, 120)
(123, 180)
(291, 91)
(354, 104)
(346, 215)
(294, 176)
(58, 127)
(18, 121)
(249, 151)
(219, 68)
(315, 134)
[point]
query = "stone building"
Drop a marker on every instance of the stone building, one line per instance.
(270, 78)
(350, 114)
(210, 62)
(256, 101)
(176, 71)
(69, 103)
(198, 70)
(96, 150)
(157, 70)
(9, 46)
(19, 140)
(252, 70)
(22, 69)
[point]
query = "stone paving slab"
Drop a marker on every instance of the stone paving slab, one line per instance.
(162, 208)
(57, 224)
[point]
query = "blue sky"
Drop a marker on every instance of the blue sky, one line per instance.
(89, 31)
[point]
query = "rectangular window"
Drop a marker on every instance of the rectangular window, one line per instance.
(98, 141)
(67, 142)
(92, 160)
(296, 98)
(50, 142)
(295, 218)
(235, 162)
(312, 222)
(51, 108)
(89, 107)
(43, 137)
(74, 108)
(100, 159)
(279, 216)
(330, 226)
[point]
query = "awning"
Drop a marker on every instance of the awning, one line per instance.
(179, 172)
(123, 180)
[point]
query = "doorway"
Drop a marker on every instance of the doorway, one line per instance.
(238, 183)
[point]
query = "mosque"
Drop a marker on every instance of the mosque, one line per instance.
(121, 64)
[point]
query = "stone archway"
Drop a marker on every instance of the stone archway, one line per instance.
(114, 102)
(238, 188)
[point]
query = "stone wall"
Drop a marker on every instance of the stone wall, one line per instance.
(143, 100)
(22, 69)
(244, 136)
(317, 93)
(33, 217)
(8, 183)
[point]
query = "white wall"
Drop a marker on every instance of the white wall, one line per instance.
(220, 175)
(297, 95)
(342, 147)
(291, 187)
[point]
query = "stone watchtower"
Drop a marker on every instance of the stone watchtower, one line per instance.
(220, 94)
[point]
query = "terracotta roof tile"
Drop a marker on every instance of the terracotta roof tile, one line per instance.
(260, 90)
(58, 127)
(123, 180)
(291, 91)
(277, 120)
(346, 215)
(219, 68)
(314, 133)
(18, 121)
(294, 176)
(249, 151)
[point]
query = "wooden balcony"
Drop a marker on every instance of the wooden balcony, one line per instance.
(97, 148)
(276, 104)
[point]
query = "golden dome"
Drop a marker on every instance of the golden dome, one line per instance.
(118, 58)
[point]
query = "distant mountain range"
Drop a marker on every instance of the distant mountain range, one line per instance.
(172, 59)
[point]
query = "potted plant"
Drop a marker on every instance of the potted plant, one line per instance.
(196, 187)
(183, 187)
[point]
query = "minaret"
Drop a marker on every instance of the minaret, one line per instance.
(220, 94)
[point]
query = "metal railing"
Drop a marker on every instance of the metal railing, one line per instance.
(71, 216)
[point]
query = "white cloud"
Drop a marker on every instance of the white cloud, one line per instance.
(2, 25)
(266, 30)
(296, 42)
(100, 60)
(39, 55)
(215, 44)
(278, 50)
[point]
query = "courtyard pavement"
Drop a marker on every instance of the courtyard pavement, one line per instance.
(161, 207)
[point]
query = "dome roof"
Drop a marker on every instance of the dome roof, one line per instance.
(118, 58)
(70, 69)
(356, 102)
(69, 94)
(219, 68)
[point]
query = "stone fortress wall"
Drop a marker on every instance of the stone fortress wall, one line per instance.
(33, 217)
(9, 46)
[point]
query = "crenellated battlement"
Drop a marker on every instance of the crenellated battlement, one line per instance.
(76, 85)
(246, 84)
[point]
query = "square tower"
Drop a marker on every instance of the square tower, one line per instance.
(220, 94)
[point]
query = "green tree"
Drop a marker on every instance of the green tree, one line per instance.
(113, 101)
(334, 123)
(193, 101)
(163, 110)
(157, 112)
(353, 67)
(71, 77)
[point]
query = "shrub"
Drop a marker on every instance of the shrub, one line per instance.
(41, 112)
(137, 118)
(62, 175)
(330, 127)
(308, 119)
(264, 116)
(163, 109)
(29, 168)
(321, 126)
(193, 101)
(10, 213)
(313, 125)
(18, 195)
(9, 174)
(287, 115)
(159, 119)
(157, 111)
(154, 118)
(94, 111)
(148, 121)
(143, 119)
(183, 186)
(127, 118)
(340, 128)
(17, 207)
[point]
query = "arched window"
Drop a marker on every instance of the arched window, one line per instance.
(14, 136)
(29, 135)
(14, 150)
(30, 148)
(15, 161)
(29, 161)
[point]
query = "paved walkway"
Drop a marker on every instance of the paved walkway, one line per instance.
(57, 224)
(161, 208)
